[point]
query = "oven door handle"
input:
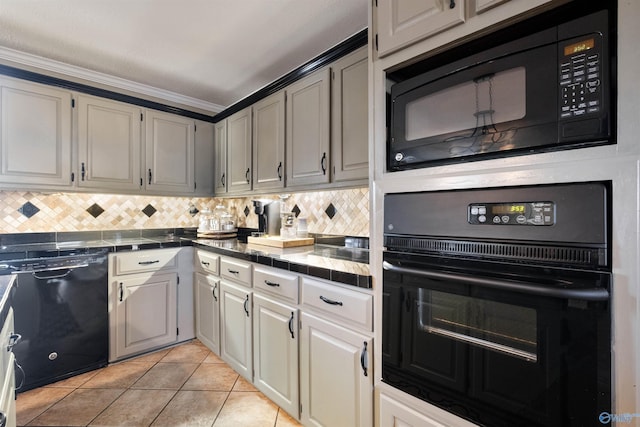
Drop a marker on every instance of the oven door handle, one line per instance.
(585, 294)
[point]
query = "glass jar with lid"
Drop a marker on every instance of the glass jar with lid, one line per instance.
(222, 219)
(205, 220)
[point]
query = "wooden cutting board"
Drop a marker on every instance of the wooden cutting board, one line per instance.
(278, 242)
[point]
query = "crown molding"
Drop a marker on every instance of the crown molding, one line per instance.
(52, 66)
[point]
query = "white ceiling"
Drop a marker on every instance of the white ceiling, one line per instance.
(216, 51)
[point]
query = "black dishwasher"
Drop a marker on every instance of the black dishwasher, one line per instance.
(61, 312)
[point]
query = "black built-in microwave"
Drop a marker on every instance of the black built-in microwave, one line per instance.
(549, 89)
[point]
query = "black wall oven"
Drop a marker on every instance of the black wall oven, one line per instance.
(496, 302)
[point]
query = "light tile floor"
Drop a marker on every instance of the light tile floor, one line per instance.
(186, 385)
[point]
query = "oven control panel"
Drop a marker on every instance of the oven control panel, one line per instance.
(517, 213)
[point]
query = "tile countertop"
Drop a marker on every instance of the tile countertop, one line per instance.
(336, 263)
(347, 265)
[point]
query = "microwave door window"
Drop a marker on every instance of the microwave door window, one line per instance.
(472, 117)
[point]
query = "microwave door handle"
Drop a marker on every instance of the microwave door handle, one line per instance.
(588, 294)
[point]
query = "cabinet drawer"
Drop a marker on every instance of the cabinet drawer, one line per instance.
(352, 307)
(236, 270)
(136, 262)
(276, 282)
(207, 262)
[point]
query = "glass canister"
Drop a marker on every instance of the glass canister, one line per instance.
(222, 219)
(205, 220)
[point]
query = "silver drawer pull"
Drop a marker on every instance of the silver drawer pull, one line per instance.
(148, 262)
(13, 340)
(274, 284)
(206, 264)
(330, 301)
(233, 271)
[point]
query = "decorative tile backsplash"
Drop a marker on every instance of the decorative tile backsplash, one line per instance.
(342, 212)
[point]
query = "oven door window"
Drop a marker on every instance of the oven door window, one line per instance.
(491, 325)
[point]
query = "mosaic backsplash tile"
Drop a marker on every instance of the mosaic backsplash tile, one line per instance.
(64, 212)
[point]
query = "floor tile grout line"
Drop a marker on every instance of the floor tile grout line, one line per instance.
(151, 364)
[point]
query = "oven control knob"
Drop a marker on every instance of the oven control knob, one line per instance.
(53, 356)
(399, 156)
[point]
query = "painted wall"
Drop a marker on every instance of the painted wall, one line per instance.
(23, 212)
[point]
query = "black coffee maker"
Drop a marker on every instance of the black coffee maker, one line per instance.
(268, 212)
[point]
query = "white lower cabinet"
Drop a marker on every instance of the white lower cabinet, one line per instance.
(7, 372)
(208, 311)
(235, 328)
(305, 343)
(275, 352)
(146, 312)
(336, 383)
(394, 413)
(149, 306)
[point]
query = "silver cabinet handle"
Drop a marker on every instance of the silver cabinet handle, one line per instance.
(233, 271)
(121, 291)
(273, 284)
(13, 340)
(214, 292)
(148, 262)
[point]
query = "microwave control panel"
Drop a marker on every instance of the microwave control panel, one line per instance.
(518, 213)
(580, 63)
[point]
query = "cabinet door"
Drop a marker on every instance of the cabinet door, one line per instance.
(169, 153)
(239, 150)
(220, 157)
(204, 155)
(108, 144)
(396, 414)
(336, 385)
(402, 22)
(35, 134)
(350, 117)
(482, 5)
(307, 137)
(208, 311)
(268, 142)
(145, 312)
(235, 331)
(275, 352)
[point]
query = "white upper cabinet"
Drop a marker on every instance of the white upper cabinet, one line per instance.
(403, 22)
(307, 124)
(349, 117)
(204, 158)
(239, 151)
(108, 144)
(35, 134)
(169, 147)
(220, 157)
(268, 142)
